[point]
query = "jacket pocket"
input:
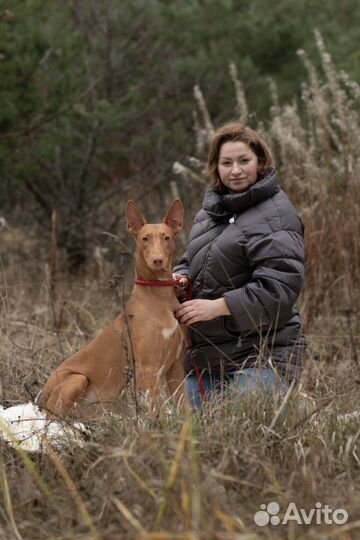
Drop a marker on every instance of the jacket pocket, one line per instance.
(205, 331)
(230, 327)
(218, 330)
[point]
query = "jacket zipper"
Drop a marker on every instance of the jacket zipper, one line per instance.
(201, 283)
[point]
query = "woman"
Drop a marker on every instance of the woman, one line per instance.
(245, 264)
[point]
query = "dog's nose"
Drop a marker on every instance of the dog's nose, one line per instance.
(158, 262)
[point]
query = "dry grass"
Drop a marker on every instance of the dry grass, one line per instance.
(174, 475)
(203, 476)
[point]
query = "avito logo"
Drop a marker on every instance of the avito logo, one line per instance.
(321, 514)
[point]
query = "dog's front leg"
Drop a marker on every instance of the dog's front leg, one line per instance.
(63, 392)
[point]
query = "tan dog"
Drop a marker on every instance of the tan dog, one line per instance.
(146, 335)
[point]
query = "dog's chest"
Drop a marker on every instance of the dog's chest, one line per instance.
(168, 332)
(155, 334)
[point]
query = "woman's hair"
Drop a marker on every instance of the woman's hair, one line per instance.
(234, 132)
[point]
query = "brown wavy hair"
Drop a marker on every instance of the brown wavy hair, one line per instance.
(235, 132)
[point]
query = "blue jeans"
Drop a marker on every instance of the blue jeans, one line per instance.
(239, 382)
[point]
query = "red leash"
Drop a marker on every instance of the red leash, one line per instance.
(189, 347)
(173, 283)
(199, 380)
(197, 371)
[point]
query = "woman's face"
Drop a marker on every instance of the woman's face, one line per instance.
(237, 166)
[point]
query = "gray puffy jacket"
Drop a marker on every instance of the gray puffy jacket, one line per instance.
(249, 249)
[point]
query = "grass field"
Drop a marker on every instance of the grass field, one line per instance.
(175, 475)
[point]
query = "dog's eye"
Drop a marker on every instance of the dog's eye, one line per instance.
(167, 238)
(145, 239)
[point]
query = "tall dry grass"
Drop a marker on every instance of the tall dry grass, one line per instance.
(203, 476)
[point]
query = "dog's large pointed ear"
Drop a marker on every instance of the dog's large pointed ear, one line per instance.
(135, 219)
(175, 216)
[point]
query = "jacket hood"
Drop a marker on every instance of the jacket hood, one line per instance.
(221, 206)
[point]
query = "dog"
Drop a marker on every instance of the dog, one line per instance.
(145, 336)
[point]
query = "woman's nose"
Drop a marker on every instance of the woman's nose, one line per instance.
(236, 167)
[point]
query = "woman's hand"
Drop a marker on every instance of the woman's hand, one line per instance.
(201, 310)
(180, 288)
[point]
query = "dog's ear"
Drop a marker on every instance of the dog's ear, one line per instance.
(175, 216)
(135, 219)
